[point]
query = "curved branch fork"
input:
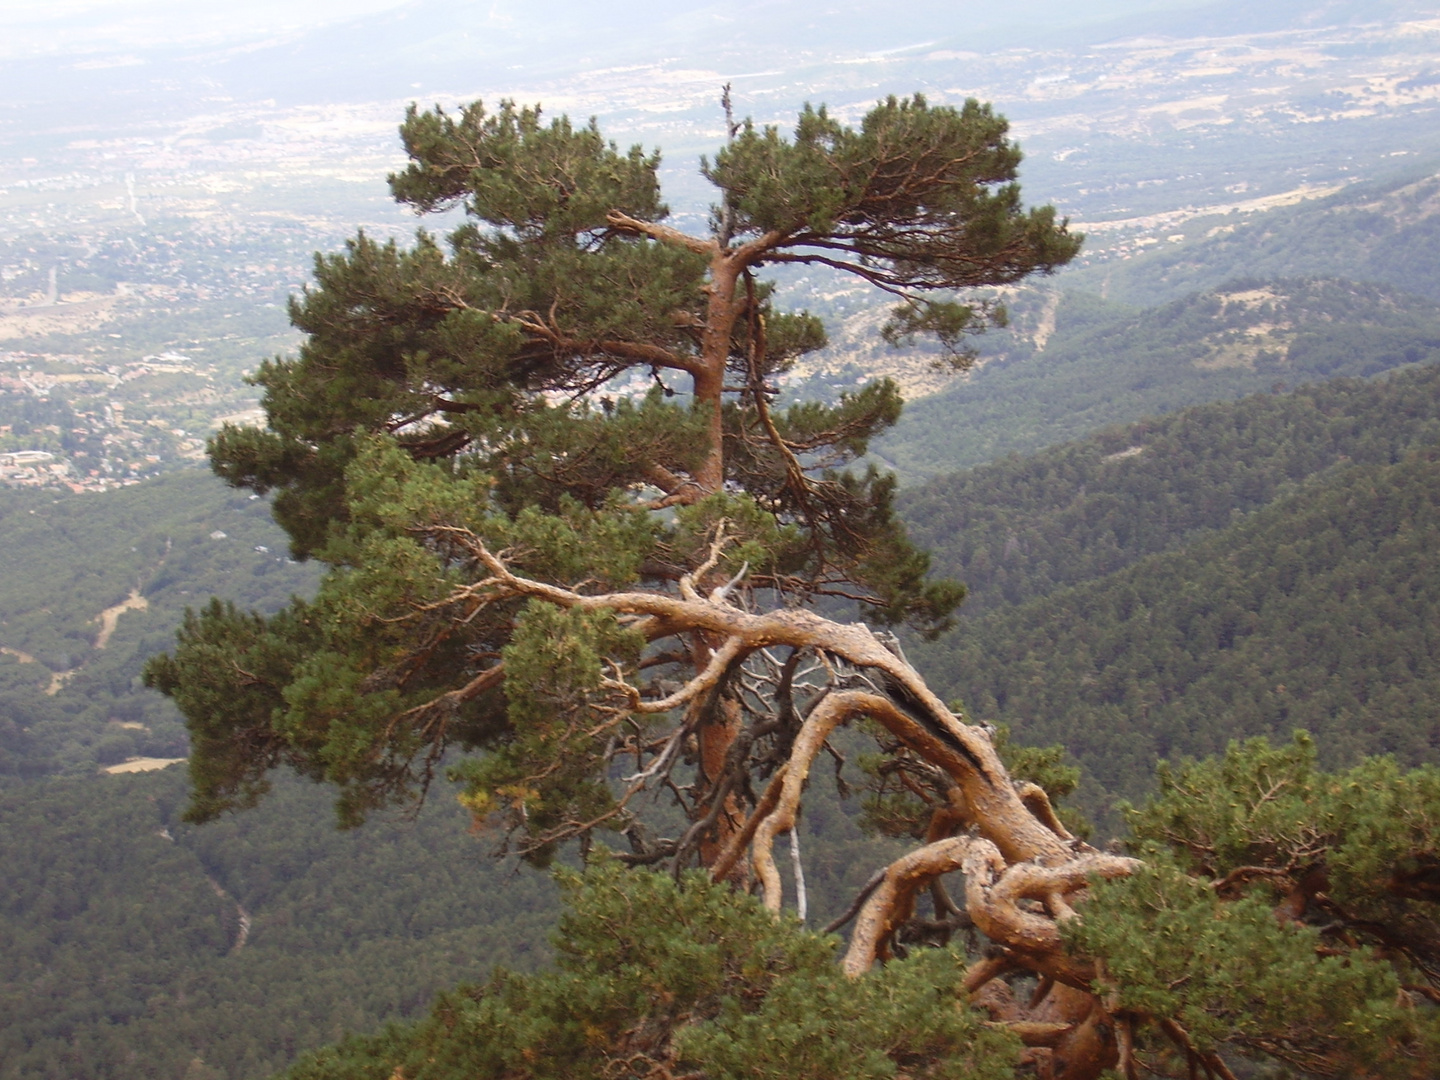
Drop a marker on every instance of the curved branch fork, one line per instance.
(912, 713)
(999, 899)
(1021, 869)
(994, 802)
(893, 900)
(776, 814)
(1069, 1032)
(996, 898)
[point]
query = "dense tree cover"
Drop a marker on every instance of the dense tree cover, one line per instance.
(64, 560)
(1387, 232)
(1317, 612)
(119, 957)
(121, 928)
(1016, 529)
(1102, 368)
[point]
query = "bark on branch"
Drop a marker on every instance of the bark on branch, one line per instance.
(920, 719)
(994, 891)
(892, 901)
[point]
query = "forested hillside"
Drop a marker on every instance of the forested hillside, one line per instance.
(1385, 232)
(1016, 529)
(120, 925)
(1316, 612)
(135, 946)
(1105, 365)
(70, 697)
(1199, 500)
(1127, 600)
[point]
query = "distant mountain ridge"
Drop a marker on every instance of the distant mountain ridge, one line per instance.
(1106, 364)
(1383, 232)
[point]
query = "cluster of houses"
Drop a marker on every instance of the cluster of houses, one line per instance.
(41, 469)
(31, 468)
(104, 450)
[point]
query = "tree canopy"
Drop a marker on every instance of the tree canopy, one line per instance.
(590, 603)
(469, 394)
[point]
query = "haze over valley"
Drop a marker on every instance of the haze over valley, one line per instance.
(161, 202)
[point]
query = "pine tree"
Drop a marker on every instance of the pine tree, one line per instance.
(569, 596)
(454, 412)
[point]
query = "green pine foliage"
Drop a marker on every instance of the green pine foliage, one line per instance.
(1233, 977)
(462, 398)
(686, 978)
(119, 956)
(1283, 911)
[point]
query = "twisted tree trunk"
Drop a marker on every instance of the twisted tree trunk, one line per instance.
(1024, 873)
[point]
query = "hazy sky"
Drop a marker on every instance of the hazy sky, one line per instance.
(258, 13)
(41, 27)
(37, 27)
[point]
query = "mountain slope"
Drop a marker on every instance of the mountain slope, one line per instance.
(1384, 232)
(70, 697)
(1318, 612)
(1017, 529)
(1098, 369)
(139, 947)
